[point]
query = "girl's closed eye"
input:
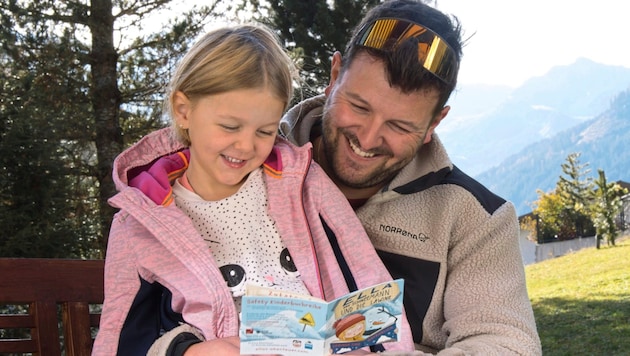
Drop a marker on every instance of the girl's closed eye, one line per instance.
(229, 127)
(266, 132)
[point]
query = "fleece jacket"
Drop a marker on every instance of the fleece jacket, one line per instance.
(456, 245)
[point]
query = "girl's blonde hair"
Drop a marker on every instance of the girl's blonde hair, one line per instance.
(232, 58)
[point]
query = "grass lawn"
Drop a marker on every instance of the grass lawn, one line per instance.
(582, 301)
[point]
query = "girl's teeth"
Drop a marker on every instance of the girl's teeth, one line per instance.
(233, 160)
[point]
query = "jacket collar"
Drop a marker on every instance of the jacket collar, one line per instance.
(157, 160)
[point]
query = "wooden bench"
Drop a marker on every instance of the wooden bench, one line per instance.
(55, 294)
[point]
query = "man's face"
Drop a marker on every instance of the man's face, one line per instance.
(370, 129)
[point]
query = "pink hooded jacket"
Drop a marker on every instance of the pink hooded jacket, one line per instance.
(156, 243)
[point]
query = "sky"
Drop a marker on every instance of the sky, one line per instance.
(514, 40)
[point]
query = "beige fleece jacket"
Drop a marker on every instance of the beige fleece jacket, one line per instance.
(456, 245)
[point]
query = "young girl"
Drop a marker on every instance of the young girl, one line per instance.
(218, 201)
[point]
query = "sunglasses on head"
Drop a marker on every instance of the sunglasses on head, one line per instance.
(434, 54)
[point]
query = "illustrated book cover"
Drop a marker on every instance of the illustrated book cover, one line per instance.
(279, 322)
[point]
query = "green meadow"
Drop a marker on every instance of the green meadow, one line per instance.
(582, 301)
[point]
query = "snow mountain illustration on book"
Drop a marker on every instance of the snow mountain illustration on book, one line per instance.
(278, 322)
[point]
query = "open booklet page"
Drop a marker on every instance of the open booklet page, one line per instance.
(279, 322)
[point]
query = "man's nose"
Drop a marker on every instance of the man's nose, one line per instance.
(370, 135)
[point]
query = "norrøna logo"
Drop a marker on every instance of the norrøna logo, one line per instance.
(396, 230)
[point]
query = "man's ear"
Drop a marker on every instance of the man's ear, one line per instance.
(435, 123)
(335, 68)
(181, 107)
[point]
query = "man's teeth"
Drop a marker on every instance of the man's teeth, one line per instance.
(233, 160)
(358, 151)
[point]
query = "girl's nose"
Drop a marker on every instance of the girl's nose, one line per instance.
(245, 142)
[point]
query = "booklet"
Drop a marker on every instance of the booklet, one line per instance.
(279, 322)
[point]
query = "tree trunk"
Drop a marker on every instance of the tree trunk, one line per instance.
(106, 101)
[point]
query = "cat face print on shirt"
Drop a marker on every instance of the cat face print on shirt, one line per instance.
(282, 273)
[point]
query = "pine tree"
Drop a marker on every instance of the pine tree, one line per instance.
(605, 207)
(574, 187)
(313, 30)
(81, 82)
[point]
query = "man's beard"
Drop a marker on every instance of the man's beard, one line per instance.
(378, 175)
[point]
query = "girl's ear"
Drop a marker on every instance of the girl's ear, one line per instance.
(181, 107)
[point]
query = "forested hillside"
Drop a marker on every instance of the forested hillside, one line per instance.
(604, 143)
(489, 124)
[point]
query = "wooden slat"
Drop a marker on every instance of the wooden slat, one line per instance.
(27, 279)
(43, 284)
(46, 332)
(18, 346)
(95, 319)
(16, 321)
(76, 322)
(19, 321)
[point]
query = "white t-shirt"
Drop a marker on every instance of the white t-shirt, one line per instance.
(242, 237)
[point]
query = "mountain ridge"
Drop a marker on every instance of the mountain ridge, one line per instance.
(515, 142)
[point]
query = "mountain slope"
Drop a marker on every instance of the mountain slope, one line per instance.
(481, 133)
(604, 143)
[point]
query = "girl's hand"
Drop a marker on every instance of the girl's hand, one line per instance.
(229, 346)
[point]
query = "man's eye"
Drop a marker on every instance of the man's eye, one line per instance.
(399, 128)
(359, 108)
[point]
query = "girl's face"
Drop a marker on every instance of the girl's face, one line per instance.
(231, 134)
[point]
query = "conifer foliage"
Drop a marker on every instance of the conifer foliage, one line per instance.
(579, 206)
(80, 81)
(313, 30)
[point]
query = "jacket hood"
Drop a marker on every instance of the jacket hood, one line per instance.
(156, 160)
(142, 154)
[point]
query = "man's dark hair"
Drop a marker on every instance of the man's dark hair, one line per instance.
(403, 68)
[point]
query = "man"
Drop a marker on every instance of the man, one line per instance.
(453, 241)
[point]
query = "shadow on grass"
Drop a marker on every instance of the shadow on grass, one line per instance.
(583, 327)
